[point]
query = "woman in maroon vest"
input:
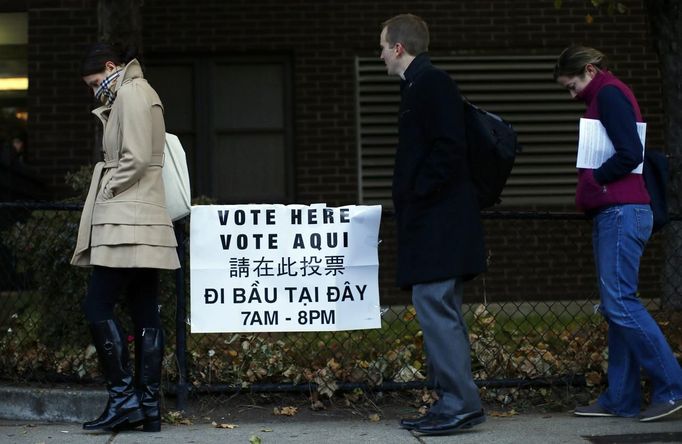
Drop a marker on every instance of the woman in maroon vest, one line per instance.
(617, 200)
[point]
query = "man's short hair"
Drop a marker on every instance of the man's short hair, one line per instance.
(410, 31)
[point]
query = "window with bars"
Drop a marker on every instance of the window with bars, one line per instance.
(519, 88)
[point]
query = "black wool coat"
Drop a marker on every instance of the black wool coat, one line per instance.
(440, 235)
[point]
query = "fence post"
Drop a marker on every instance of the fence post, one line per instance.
(180, 317)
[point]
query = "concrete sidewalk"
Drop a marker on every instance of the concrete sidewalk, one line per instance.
(41, 416)
(522, 429)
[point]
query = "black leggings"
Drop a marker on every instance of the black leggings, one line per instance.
(141, 286)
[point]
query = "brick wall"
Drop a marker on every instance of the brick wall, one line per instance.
(62, 133)
(322, 38)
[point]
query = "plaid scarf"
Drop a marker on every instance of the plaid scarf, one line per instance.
(104, 93)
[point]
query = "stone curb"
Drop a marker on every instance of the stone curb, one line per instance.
(52, 405)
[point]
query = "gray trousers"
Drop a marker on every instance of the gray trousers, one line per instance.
(439, 310)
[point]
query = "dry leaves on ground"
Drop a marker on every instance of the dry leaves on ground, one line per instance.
(175, 417)
(285, 411)
(497, 414)
(224, 425)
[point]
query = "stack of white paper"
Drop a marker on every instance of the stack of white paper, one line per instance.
(595, 147)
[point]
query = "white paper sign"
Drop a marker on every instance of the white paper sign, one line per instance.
(272, 268)
(595, 147)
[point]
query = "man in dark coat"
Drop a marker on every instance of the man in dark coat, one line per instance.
(440, 235)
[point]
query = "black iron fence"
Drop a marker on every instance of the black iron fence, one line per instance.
(531, 318)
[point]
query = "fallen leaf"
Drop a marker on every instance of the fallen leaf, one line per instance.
(255, 440)
(285, 411)
(592, 379)
(409, 314)
(507, 414)
(374, 417)
(224, 425)
(175, 417)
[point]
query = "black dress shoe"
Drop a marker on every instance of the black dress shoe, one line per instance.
(411, 423)
(441, 424)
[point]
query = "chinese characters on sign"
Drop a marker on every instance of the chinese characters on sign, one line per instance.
(258, 268)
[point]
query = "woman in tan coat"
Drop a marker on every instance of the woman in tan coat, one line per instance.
(126, 235)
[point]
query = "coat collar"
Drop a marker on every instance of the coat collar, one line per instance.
(420, 63)
(588, 93)
(131, 71)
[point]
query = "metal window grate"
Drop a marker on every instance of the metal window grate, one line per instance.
(519, 88)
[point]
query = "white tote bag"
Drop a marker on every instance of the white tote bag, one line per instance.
(176, 179)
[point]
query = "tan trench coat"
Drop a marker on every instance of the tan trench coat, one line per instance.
(124, 222)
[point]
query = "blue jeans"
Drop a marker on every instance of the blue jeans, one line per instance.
(635, 341)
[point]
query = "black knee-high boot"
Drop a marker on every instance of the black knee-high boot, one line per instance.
(123, 405)
(149, 357)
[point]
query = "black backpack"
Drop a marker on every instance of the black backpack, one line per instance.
(492, 146)
(656, 174)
